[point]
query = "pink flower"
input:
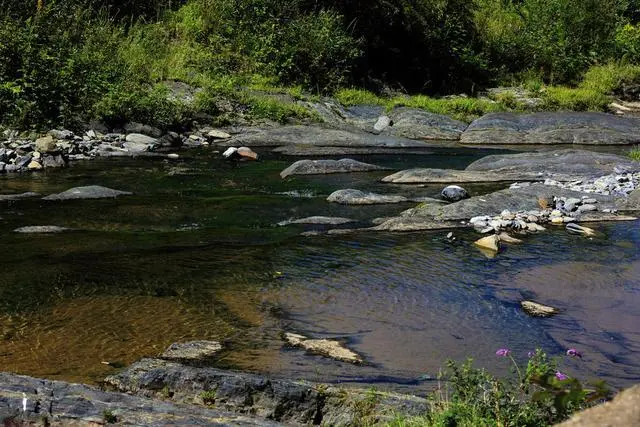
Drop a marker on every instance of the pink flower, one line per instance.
(561, 376)
(503, 352)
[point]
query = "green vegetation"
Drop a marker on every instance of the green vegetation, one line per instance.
(67, 62)
(208, 397)
(634, 153)
(109, 417)
(540, 395)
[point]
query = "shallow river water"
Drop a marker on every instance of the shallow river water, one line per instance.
(195, 254)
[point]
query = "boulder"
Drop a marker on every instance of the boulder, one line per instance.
(504, 237)
(446, 176)
(382, 123)
(491, 243)
(538, 310)
(87, 192)
(312, 167)
(171, 139)
(324, 347)
(12, 197)
(578, 229)
(54, 161)
(61, 134)
(218, 134)
(191, 351)
(242, 153)
(454, 193)
(137, 142)
(46, 144)
(553, 128)
(310, 150)
(34, 165)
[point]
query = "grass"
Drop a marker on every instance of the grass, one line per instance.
(634, 153)
(208, 397)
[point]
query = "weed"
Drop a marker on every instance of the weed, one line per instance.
(208, 397)
(634, 153)
(109, 417)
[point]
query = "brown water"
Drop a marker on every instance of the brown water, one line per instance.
(194, 254)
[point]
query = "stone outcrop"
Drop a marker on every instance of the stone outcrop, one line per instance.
(624, 410)
(553, 128)
(356, 197)
(87, 192)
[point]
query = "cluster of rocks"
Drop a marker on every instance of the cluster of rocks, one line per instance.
(556, 211)
(621, 184)
(54, 150)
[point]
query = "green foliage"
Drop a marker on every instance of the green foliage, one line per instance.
(109, 417)
(634, 153)
(353, 96)
(460, 108)
(538, 396)
(208, 397)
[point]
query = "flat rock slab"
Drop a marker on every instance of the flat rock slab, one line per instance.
(320, 137)
(568, 162)
(631, 203)
(324, 347)
(356, 197)
(319, 220)
(191, 351)
(281, 400)
(40, 229)
(317, 167)
(88, 192)
(311, 150)
(553, 128)
(419, 124)
(66, 404)
(12, 197)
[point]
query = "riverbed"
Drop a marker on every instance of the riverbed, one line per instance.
(196, 253)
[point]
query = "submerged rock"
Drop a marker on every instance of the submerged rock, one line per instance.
(33, 229)
(311, 150)
(240, 153)
(11, 197)
(312, 167)
(578, 229)
(323, 347)
(446, 176)
(538, 310)
(320, 220)
(191, 351)
(88, 192)
(357, 197)
(553, 128)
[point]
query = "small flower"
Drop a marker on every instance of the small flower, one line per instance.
(531, 354)
(561, 376)
(503, 352)
(574, 353)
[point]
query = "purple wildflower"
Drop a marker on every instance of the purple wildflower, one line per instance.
(503, 352)
(561, 376)
(574, 353)
(531, 354)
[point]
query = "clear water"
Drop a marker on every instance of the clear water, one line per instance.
(194, 254)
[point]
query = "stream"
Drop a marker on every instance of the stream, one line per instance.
(195, 253)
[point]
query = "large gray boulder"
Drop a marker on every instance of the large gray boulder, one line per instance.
(553, 128)
(88, 192)
(447, 176)
(313, 167)
(624, 410)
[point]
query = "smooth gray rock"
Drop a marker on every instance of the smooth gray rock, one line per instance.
(314, 167)
(630, 203)
(357, 197)
(570, 163)
(286, 401)
(191, 351)
(53, 161)
(382, 123)
(64, 404)
(40, 229)
(61, 134)
(419, 124)
(454, 193)
(318, 136)
(46, 144)
(553, 128)
(88, 192)
(136, 142)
